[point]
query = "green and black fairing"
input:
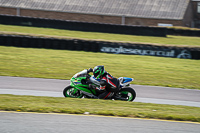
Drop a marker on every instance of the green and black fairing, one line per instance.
(79, 85)
(80, 82)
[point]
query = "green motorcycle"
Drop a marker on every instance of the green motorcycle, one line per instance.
(79, 87)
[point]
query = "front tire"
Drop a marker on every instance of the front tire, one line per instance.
(127, 94)
(70, 91)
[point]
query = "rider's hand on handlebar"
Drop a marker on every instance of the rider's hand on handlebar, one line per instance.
(90, 70)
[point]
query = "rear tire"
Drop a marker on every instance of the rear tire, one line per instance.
(127, 94)
(70, 91)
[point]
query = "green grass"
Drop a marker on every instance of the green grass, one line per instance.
(63, 64)
(33, 31)
(98, 107)
(182, 28)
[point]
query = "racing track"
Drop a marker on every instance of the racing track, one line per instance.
(59, 123)
(54, 87)
(51, 123)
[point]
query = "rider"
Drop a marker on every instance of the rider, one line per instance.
(108, 84)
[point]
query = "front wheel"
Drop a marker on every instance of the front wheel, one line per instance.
(126, 94)
(70, 91)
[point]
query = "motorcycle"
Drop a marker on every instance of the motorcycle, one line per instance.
(79, 87)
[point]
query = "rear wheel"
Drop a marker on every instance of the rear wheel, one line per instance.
(70, 91)
(126, 94)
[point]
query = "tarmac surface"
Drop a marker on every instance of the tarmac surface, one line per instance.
(50, 123)
(59, 123)
(54, 88)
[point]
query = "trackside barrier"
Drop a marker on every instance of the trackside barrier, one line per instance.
(99, 46)
(95, 27)
(83, 26)
(182, 32)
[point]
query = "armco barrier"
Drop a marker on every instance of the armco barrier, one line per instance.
(83, 26)
(99, 46)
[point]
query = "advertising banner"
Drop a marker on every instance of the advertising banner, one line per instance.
(151, 51)
(101, 46)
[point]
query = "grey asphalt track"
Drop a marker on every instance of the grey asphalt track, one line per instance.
(54, 88)
(51, 123)
(57, 123)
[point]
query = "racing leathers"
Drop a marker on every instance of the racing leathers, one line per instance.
(108, 86)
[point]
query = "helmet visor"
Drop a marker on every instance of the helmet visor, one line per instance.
(96, 74)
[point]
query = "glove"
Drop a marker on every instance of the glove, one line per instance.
(90, 70)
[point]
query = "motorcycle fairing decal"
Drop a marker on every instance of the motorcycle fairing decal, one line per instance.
(77, 82)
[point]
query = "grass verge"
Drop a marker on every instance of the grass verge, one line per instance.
(33, 31)
(98, 107)
(63, 64)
